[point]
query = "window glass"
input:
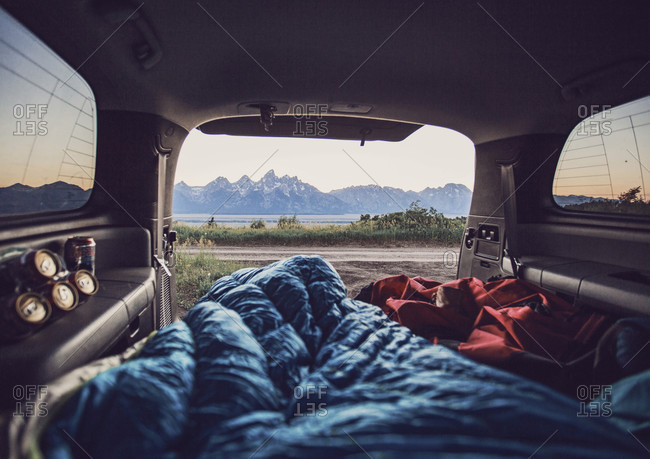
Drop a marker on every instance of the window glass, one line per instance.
(372, 211)
(47, 127)
(237, 180)
(605, 163)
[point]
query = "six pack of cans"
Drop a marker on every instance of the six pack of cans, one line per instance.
(38, 286)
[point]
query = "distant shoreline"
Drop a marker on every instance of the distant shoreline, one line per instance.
(243, 220)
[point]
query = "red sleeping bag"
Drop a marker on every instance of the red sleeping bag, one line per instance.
(494, 321)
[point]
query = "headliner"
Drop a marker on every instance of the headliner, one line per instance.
(490, 69)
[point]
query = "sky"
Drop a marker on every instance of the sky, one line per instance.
(430, 157)
(608, 153)
(47, 125)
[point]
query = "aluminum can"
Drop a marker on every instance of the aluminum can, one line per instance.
(33, 267)
(62, 295)
(84, 281)
(22, 314)
(80, 253)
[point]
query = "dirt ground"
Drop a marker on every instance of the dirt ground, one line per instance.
(357, 266)
(358, 274)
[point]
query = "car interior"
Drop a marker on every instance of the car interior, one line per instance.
(131, 80)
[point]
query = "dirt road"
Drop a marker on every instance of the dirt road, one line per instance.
(357, 266)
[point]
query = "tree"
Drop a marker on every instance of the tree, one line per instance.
(631, 195)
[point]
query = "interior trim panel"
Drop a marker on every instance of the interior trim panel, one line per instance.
(607, 287)
(118, 314)
(82, 335)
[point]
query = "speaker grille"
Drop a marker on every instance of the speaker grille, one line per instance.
(164, 300)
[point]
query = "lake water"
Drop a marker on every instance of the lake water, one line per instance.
(245, 220)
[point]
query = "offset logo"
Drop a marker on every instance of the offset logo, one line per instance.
(30, 119)
(450, 259)
(598, 124)
(309, 120)
(310, 400)
(589, 409)
(30, 400)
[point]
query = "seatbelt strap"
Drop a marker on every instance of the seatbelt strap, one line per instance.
(510, 216)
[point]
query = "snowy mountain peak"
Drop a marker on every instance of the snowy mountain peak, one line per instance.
(270, 175)
(272, 194)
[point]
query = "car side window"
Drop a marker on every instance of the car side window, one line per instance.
(605, 163)
(47, 127)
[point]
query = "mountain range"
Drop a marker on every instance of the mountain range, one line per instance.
(269, 195)
(287, 195)
(572, 199)
(20, 199)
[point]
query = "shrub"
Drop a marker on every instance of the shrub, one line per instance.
(285, 222)
(258, 224)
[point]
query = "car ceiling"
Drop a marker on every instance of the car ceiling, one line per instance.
(489, 69)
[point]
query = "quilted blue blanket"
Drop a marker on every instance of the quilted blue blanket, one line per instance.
(276, 361)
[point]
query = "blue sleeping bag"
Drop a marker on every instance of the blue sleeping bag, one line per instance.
(276, 362)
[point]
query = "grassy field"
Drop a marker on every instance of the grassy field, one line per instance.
(326, 236)
(416, 224)
(196, 273)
